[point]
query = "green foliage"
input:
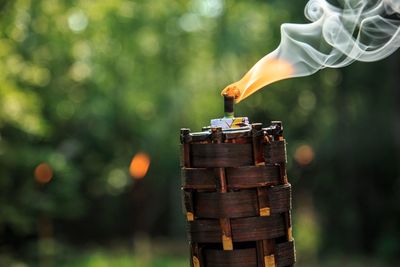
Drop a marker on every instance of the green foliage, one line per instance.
(85, 85)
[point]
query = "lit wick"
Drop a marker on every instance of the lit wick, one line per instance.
(230, 95)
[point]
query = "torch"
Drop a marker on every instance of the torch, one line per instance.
(236, 195)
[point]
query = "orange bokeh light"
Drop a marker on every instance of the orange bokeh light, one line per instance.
(139, 165)
(43, 173)
(304, 155)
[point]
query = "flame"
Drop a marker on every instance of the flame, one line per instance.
(139, 165)
(43, 173)
(266, 71)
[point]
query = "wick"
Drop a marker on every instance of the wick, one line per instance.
(228, 106)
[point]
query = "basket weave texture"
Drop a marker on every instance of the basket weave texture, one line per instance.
(236, 197)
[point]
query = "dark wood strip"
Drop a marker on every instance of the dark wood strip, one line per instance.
(275, 152)
(258, 228)
(204, 231)
(285, 254)
(280, 198)
(237, 178)
(196, 257)
(226, 205)
(221, 155)
(243, 229)
(264, 205)
(225, 222)
(198, 178)
(252, 176)
(185, 148)
(233, 258)
(245, 203)
(187, 201)
(257, 141)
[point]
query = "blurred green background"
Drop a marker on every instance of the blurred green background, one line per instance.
(87, 85)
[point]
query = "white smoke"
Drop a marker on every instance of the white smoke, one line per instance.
(363, 30)
(352, 30)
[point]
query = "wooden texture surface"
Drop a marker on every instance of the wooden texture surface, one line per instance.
(243, 229)
(237, 177)
(221, 155)
(244, 203)
(248, 257)
(236, 197)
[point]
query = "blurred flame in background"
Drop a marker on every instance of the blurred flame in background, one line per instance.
(139, 165)
(43, 173)
(304, 155)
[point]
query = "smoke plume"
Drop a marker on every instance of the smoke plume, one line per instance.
(337, 35)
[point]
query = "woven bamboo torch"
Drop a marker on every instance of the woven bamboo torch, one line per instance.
(236, 195)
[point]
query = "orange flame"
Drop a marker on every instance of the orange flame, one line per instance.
(139, 165)
(264, 72)
(43, 173)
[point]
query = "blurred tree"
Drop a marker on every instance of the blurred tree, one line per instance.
(86, 85)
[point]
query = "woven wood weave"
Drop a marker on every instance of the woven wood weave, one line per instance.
(236, 197)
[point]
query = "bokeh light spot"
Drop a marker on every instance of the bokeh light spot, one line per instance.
(190, 22)
(43, 173)
(80, 71)
(65, 109)
(307, 100)
(117, 180)
(304, 155)
(210, 8)
(139, 165)
(82, 50)
(78, 21)
(146, 110)
(149, 43)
